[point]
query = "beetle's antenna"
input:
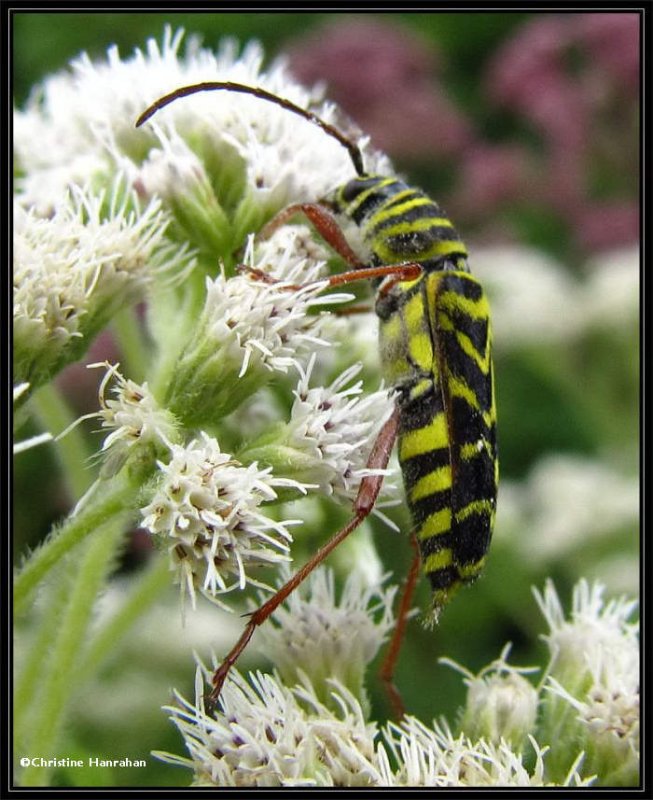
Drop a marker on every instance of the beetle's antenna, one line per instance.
(208, 86)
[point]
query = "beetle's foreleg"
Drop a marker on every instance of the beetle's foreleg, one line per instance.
(324, 223)
(327, 226)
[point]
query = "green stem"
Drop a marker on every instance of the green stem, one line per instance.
(72, 451)
(172, 319)
(142, 596)
(85, 579)
(128, 331)
(29, 669)
(117, 497)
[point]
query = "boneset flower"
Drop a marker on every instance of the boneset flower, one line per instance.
(206, 513)
(324, 637)
(302, 726)
(501, 703)
(134, 419)
(330, 433)
(593, 680)
(436, 757)
(266, 734)
(74, 270)
(248, 329)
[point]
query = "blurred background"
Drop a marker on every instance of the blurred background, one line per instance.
(525, 127)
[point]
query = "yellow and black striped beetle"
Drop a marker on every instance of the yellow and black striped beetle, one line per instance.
(435, 342)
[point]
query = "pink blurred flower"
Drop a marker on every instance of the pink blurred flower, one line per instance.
(574, 78)
(570, 79)
(612, 41)
(491, 175)
(384, 78)
(607, 226)
(529, 75)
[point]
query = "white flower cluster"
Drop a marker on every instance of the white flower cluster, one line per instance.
(206, 509)
(250, 328)
(436, 757)
(335, 427)
(315, 733)
(79, 121)
(501, 703)
(75, 269)
(306, 725)
(569, 504)
(255, 322)
(595, 669)
(132, 416)
(269, 735)
(316, 634)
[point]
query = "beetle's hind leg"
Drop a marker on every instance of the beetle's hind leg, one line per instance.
(387, 669)
(368, 492)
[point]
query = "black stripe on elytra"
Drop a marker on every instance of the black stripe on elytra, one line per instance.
(444, 577)
(415, 468)
(423, 508)
(475, 329)
(472, 538)
(462, 285)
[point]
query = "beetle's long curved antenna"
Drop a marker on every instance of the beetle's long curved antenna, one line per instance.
(209, 86)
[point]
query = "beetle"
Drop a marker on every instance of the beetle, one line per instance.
(435, 344)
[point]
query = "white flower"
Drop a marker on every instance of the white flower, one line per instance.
(248, 330)
(334, 428)
(77, 122)
(596, 630)
(435, 757)
(501, 703)
(133, 416)
(74, 270)
(612, 291)
(291, 254)
(172, 170)
(595, 671)
(206, 509)
(568, 503)
(268, 323)
(533, 298)
(266, 734)
(328, 639)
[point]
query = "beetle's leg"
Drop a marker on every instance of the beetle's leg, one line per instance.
(363, 504)
(387, 670)
(349, 311)
(392, 272)
(325, 224)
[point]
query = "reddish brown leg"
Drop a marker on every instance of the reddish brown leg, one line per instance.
(386, 673)
(363, 504)
(349, 311)
(325, 223)
(399, 272)
(327, 226)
